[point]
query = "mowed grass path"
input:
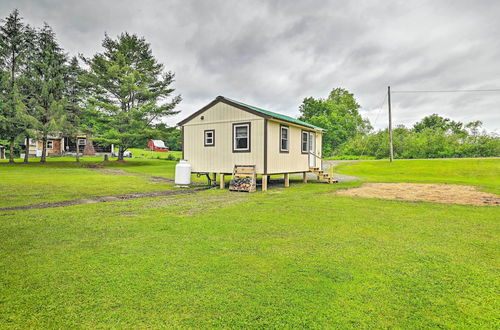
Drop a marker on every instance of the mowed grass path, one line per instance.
(475, 172)
(295, 257)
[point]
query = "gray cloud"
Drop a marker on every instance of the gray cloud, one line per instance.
(275, 53)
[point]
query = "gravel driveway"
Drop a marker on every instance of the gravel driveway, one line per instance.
(339, 177)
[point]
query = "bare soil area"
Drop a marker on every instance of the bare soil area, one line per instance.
(122, 172)
(104, 199)
(440, 193)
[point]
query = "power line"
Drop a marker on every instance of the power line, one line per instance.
(449, 91)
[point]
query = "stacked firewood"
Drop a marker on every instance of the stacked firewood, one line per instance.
(242, 184)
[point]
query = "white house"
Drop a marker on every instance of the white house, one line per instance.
(227, 132)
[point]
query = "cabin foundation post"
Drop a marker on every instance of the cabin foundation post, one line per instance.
(286, 176)
(221, 179)
(304, 177)
(264, 182)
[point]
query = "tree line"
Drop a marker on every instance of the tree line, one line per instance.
(348, 135)
(117, 96)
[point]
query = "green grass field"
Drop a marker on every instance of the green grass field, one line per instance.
(141, 153)
(475, 172)
(294, 257)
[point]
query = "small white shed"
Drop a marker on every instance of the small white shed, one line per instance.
(227, 132)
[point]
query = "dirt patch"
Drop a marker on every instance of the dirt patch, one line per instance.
(440, 193)
(110, 171)
(104, 199)
(122, 172)
(91, 165)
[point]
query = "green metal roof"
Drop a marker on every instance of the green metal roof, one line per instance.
(276, 115)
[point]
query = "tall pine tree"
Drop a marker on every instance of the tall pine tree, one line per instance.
(45, 86)
(74, 92)
(13, 48)
(30, 37)
(131, 87)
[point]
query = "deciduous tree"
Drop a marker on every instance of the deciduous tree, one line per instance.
(338, 114)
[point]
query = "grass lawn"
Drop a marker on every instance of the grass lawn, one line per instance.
(64, 179)
(295, 257)
(475, 172)
(141, 153)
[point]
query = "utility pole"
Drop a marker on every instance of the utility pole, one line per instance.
(391, 152)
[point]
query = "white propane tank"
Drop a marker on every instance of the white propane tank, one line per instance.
(183, 173)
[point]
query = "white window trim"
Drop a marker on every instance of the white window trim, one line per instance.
(247, 125)
(307, 135)
(82, 144)
(287, 138)
(209, 144)
(51, 144)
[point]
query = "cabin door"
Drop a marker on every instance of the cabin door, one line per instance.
(312, 148)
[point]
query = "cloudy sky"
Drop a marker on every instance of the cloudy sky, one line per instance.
(273, 54)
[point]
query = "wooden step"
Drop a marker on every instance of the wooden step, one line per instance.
(322, 175)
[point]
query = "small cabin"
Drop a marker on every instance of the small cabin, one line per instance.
(157, 145)
(81, 143)
(58, 146)
(227, 132)
(54, 147)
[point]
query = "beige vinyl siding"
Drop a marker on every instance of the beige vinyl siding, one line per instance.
(294, 160)
(220, 158)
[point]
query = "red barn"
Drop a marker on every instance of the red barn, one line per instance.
(157, 145)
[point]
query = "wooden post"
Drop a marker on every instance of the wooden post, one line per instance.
(304, 177)
(286, 176)
(264, 182)
(391, 152)
(221, 183)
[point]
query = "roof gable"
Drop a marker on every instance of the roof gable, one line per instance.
(252, 109)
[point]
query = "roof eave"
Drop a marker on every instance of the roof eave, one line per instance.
(224, 100)
(244, 108)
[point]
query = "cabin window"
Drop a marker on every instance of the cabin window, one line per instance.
(81, 142)
(241, 137)
(209, 138)
(305, 142)
(50, 144)
(284, 144)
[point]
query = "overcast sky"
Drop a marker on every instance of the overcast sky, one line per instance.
(273, 54)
